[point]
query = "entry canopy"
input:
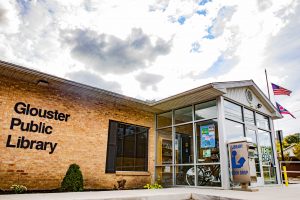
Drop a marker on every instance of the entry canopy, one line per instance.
(213, 90)
(199, 94)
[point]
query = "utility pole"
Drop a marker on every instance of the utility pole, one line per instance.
(280, 137)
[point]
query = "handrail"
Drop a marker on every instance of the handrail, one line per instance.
(285, 172)
(290, 161)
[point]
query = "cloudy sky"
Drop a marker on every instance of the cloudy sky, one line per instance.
(151, 49)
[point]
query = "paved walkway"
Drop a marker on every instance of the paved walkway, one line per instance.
(273, 192)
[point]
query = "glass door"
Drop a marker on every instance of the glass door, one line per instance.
(252, 133)
(267, 155)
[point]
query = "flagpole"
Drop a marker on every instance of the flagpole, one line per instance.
(267, 84)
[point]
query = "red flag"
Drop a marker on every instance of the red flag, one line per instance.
(282, 110)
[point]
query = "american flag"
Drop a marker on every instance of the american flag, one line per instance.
(278, 90)
(282, 110)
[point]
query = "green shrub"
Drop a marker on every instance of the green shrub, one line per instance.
(18, 189)
(153, 186)
(73, 180)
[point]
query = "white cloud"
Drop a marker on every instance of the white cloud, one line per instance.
(9, 21)
(247, 36)
(109, 54)
(92, 78)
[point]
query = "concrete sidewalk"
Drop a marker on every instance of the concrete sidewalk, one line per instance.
(273, 192)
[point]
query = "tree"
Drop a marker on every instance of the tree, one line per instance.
(287, 141)
(296, 151)
(292, 139)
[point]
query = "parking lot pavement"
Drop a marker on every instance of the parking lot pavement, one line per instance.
(272, 192)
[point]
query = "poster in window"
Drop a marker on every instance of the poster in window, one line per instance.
(167, 169)
(208, 139)
(206, 153)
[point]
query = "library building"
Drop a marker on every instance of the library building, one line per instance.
(217, 135)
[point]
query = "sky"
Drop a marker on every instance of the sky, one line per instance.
(152, 49)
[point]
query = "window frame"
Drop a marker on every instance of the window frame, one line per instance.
(116, 146)
(173, 126)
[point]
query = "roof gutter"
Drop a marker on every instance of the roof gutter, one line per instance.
(65, 81)
(192, 91)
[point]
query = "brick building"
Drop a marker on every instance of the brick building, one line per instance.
(48, 123)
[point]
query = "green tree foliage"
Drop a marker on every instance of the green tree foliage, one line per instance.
(296, 151)
(288, 141)
(73, 180)
(292, 139)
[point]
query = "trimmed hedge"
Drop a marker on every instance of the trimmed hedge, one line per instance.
(73, 180)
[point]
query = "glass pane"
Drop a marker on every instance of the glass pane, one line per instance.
(183, 115)
(209, 175)
(265, 143)
(128, 149)
(164, 146)
(185, 175)
(132, 148)
(184, 144)
(207, 141)
(141, 159)
(233, 111)
(252, 134)
(164, 175)
(164, 119)
(206, 110)
(120, 138)
(233, 130)
(249, 116)
(269, 173)
(262, 121)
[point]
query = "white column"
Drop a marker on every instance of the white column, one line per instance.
(194, 146)
(223, 144)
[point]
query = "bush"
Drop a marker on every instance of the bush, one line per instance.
(18, 189)
(153, 186)
(73, 180)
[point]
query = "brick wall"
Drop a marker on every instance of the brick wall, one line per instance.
(81, 140)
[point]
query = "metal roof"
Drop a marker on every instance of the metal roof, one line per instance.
(199, 94)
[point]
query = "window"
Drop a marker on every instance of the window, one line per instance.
(183, 115)
(207, 139)
(164, 119)
(268, 163)
(184, 152)
(233, 111)
(262, 122)
(127, 148)
(233, 129)
(187, 146)
(164, 150)
(206, 110)
(249, 117)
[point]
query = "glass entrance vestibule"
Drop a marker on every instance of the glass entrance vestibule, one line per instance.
(191, 143)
